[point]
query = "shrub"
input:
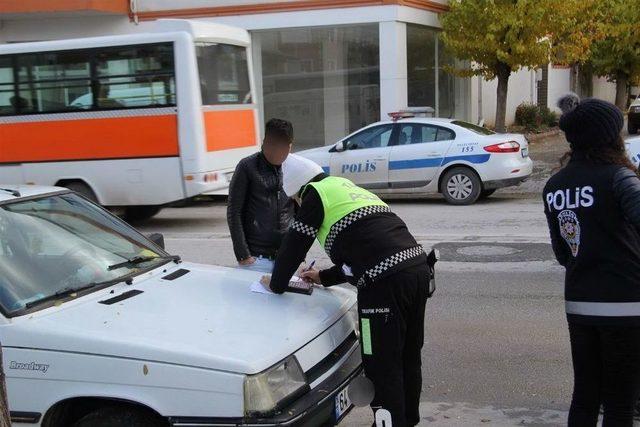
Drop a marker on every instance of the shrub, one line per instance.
(531, 117)
(528, 116)
(548, 117)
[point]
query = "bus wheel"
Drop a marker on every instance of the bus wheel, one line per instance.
(81, 188)
(140, 213)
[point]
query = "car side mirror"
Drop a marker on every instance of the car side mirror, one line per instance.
(341, 146)
(157, 238)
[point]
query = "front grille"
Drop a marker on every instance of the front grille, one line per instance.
(331, 359)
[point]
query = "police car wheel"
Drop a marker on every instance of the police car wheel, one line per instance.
(461, 186)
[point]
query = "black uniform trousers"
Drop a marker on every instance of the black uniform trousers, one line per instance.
(606, 365)
(392, 334)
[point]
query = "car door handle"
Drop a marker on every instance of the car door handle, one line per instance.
(381, 159)
(433, 154)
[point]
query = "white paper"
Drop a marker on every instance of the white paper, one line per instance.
(259, 288)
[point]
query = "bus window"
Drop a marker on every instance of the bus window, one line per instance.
(7, 94)
(224, 74)
(49, 82)
(135, 76)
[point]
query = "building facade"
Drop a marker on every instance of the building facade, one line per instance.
(329, 66)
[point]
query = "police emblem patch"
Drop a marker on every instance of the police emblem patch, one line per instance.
(570, 230)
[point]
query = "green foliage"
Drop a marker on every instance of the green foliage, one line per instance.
(617, 53)
(516, 33)
(532, 117)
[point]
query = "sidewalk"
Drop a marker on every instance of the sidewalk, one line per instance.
(468, 415)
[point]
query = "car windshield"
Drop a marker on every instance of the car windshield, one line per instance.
(61, 243)
(473, 128)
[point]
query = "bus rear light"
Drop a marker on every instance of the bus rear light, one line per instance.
(210, 177)
(188, 178)
(504, 147)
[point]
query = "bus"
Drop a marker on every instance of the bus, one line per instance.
(133, 122)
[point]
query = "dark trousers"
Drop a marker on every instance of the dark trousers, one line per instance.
(606, 365)
(392, 334)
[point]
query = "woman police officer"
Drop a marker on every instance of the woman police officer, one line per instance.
(593, 211)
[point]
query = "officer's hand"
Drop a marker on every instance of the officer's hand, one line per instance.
(312, 276)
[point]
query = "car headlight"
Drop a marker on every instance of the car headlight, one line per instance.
(266, 392)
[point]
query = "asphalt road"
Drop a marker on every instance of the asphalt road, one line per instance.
(496, 350)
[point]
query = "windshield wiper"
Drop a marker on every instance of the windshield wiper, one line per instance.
(64, 292)
(140, 259)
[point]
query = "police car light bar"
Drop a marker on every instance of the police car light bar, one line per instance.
(412, 112)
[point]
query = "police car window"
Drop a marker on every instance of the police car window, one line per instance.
(417, 134)
(445, 135)
(375, 137)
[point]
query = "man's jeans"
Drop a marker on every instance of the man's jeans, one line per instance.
(263, 265)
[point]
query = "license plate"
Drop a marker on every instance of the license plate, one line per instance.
(525, 152)
(342, 404)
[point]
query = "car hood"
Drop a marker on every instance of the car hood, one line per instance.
(206, 318)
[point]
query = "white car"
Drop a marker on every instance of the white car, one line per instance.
(633, 149)
(413, 155)
(101, 326)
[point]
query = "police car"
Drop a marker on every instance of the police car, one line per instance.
(419, 155)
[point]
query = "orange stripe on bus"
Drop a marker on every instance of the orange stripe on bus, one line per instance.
(229, 129)
(89, 139)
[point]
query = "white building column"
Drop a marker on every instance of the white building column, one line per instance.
(393, 67)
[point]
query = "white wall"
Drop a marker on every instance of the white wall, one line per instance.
(559, 84)
(603, 89)
(520, 90)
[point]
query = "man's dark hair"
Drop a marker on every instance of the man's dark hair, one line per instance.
(279, 129)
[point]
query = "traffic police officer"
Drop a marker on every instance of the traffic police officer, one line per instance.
(372, 249)
(593, 210)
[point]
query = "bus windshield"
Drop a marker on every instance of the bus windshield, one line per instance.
(224, 74)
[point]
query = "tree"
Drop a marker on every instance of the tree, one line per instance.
(499, 37)
(617, 54)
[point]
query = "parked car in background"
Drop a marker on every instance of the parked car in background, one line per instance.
(418, 156)
(99, 325)
(633, 149)
(633, 116)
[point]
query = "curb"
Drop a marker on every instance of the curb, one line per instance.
(535, 137)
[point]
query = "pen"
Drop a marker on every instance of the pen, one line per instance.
(310, 266)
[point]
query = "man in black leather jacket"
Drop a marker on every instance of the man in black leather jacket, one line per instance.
(259, 212)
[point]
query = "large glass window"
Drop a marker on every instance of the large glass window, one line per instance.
(224, 74)
(325, 80)
(421, 66)
(429, 83)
